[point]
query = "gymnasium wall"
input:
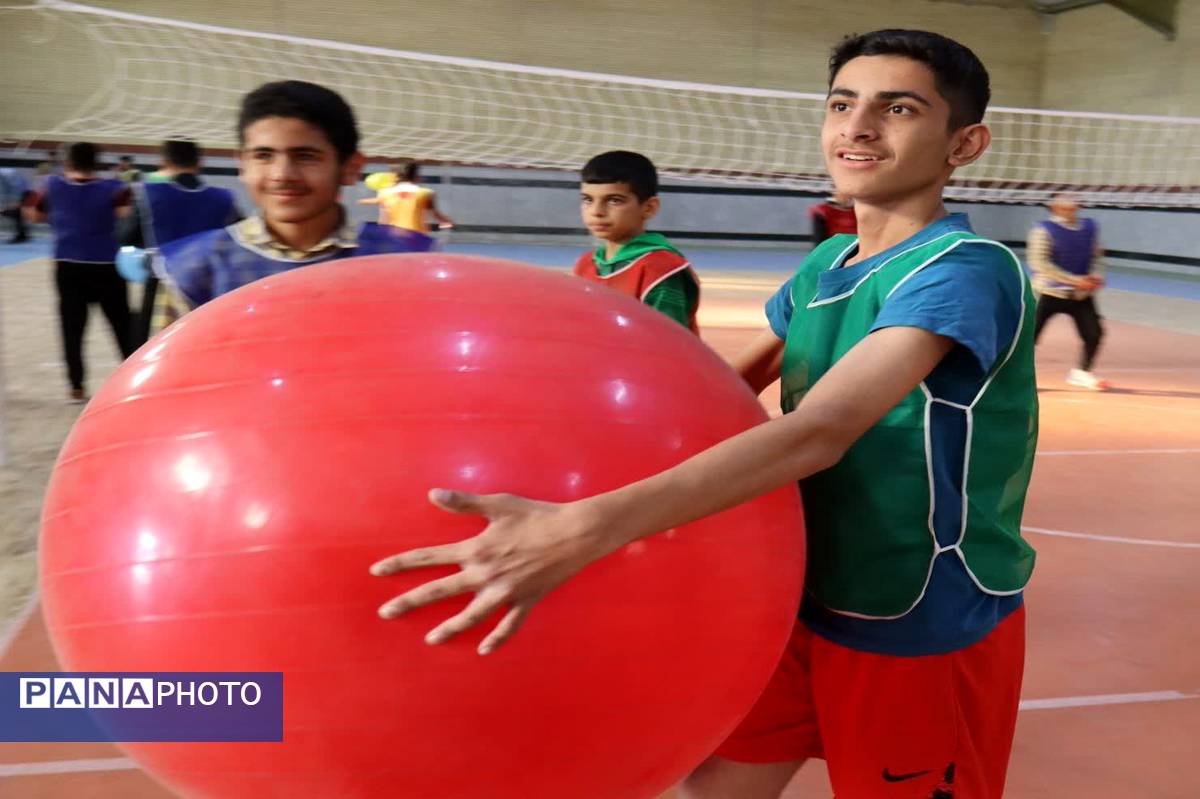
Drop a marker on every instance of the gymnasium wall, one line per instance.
(1101, 59)
(50, 69)
(510, 205)
(1090, 59)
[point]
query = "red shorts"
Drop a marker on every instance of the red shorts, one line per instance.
(933, 727)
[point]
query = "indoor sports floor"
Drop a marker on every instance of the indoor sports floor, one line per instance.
(1111, 705)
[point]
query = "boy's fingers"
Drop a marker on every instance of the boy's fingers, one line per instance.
(442, 555)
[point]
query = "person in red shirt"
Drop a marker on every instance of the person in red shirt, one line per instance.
(834, 216)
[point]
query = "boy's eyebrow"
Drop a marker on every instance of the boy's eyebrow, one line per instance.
(884, 96)
(303, 149)
(609, 195)
(902, 95)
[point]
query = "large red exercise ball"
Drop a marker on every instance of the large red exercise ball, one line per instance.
(218, 503)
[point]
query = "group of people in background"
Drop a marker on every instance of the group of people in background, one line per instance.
(92, 216)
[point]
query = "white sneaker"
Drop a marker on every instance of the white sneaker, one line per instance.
(1078, 377)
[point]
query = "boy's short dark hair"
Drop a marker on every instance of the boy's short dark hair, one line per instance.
(183, 153)
(623, 166)
(958, 73)
(408, 170)
(125, 159)
(84, 156)
(320, 107)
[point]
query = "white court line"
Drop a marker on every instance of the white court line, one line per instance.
(125, 764)
(1113, 539)
(1105, 699)
(748, 284)
(1060, 452)
(66, 767)
(1106, 396)
(23, 615)
(732, 318)
(1153, 369)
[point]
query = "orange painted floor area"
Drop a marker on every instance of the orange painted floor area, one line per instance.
(1112, 688)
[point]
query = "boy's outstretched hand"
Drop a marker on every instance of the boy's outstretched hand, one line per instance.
(527, 550)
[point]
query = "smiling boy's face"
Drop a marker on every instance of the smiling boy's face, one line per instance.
(886, 134)
(292, 170)
(612, 212)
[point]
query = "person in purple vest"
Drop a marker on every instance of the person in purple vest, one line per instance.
(178, 206)
(82, 210)
(298, 147)
(1068, 264)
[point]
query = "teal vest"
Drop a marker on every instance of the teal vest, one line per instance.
(869, 518)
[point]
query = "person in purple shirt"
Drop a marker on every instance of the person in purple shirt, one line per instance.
(82, 210)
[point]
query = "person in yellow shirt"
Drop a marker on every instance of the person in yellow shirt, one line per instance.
(402, 201)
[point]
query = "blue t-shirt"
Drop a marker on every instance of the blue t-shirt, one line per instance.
(206, 265)
(84, 219)
(973, 296)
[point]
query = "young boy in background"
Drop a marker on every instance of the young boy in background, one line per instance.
(619, 196)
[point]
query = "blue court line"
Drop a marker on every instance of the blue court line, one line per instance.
(16, 253)
(704, 259)
(1161, 285)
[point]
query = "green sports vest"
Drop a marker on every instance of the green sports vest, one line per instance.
(871, 542)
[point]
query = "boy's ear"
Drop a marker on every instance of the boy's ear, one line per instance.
(352, 167)
(650, 208)
(969, 144)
